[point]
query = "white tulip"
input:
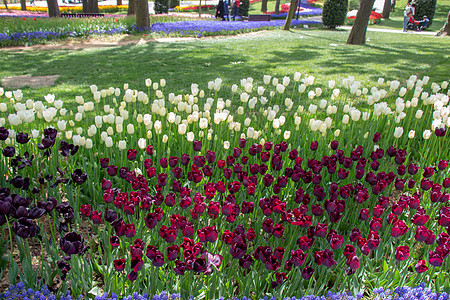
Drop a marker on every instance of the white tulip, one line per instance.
(301, 88)
(398, 132)
(297, 120)
(266, 79)
(226, 145)
(311, 95)
(297, 76)
(419, 114)
(3, 107)
(323, 103)
(345, 119)
(78, 116)
(110, 130)
(331, 84)
(280, 88)
(247, 122)
(411, 134)
(427, 134)
(337, 132)
(287, 134)
(244, 97)
(312, 108)
(122, 145)
(328, 122)
(61, 124)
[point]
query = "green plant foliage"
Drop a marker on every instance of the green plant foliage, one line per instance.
(161, 6)
(334, 13)
(425, 7)
(173, 3)
(244, 7)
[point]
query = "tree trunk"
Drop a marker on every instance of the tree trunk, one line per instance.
(131, 8)
(277, 7)
(386, 9)
(358, 33)
(90, 6)
(290, 15)
(200, 9)
(119, 2)
(264, 6)
(23, 5)
(142, 18)
(53, 9)
(446, 28)
(6, 4)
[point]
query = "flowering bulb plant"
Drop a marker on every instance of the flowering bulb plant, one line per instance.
(218, 186)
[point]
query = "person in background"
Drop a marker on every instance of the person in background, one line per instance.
(235, 7)
(424, 23)
(226, 10)
(219, 10)
(409, 9)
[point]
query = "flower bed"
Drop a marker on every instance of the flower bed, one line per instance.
(305, 10)
(374, 18)
(284, 187)
(72, 9)
(408, 293)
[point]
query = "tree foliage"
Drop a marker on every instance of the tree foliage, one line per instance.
(161, 6)
(334, 13)
(425, 7)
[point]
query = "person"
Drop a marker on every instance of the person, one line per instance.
(219, 10)
(393, 5)
(235, 7)
(412, 24)
(408, 10)
(424, 23)
(226, 10)
(32, 2)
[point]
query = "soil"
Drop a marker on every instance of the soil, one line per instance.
(17, 82)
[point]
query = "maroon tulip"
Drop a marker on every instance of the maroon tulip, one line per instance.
(423, 234)
(444, 216)
(172, 252)
(401, 253)
(435, 259)
(97, 217)
(399, 229)
(197, 145)
(443, 164)
(314, 145)
(129, 230)
(421, 266)
(355, 234)
(180, 267)
(278, 231)
(353, 262)
(85, 210)
(373, 240)
(119, 264)
(158, 260)
(131, 154)
(104, 162)
(349, 250)
(237, 250)
(364, 214)
(375, 223)
(376, 137)
(307, 273)
(321, 230)
(336, 241)
(245, 261)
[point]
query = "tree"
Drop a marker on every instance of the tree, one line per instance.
(142, 17)
(23, 5)
(6, 4)
(386, 9)
(425, 7)
(334, 13)
(131, 8)
(446, 28)
(53, 9)
(290, 15)
(161, 6)
(357, 35)
(90, 6)
(264, 6)
(277, 7)
(244, 7)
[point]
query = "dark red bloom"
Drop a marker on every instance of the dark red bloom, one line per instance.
(208, 234)
(172, 252)
(435, 259)
(119, 264)
(97, 217)
(197, 145)
(307, 273)
(376, 137)
(85, 210)
(443, 164)
(399, 229)
(180, 267)
(401, 253)
(421, 266)
(149, 150)
(375, 223)
(114, 241)
(314, 145)
(131, 154)
(245, 261)
(104, 162)
(349, 250)
(321, 230)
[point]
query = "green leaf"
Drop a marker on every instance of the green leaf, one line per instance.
(385, 266)
(95, 291)
(13, 272)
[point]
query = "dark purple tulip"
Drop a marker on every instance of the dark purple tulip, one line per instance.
(79, 177)
(435, 259)
(314, 145)
(353, 262)
(4, 133)
(443, 164)
(25, 228)
(64, 267)
(114, 241)
(9, 151)
(130, 230)
(97, 217)
(245, 261)
(172, 252)
(334, 145)
(22, 138)
(440, 131)
(364, 214)
(237, 250)
(72, 243)
(180, 267)
(36, 213)
(112, 170)
(132, 276)
(104, 162)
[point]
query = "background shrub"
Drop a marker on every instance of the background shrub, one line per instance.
(334, 13)
(244, 7)
(425, 7)
(161, 6)
(173, 3)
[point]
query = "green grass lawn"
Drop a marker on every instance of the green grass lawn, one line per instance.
(321, 53)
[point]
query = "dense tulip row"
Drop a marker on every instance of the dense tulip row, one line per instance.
(195, 199)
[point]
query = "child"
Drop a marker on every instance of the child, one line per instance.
(424, 23)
